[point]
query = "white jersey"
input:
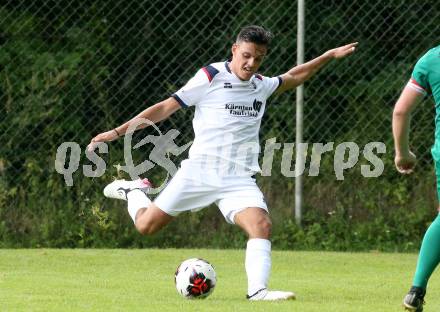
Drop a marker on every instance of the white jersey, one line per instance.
(227, 118)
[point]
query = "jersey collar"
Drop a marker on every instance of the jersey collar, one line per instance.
(227, 66)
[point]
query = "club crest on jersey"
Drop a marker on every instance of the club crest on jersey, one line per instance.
(257, 105)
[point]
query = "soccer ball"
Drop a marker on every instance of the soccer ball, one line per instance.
(195, 278)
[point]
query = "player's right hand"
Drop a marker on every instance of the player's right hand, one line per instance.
(405, 162)
(107, 136)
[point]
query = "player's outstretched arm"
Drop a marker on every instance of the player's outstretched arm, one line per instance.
(155, 113)
(404, 160)
(298, 74)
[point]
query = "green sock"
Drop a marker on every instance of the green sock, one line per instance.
(429, 256)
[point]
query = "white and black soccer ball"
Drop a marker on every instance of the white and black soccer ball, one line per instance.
(195, 279)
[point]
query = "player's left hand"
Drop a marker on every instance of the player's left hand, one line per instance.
(343, 51)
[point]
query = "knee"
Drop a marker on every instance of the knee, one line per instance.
(262, 228)
(151, 220)
(145, 227)
(266, 226)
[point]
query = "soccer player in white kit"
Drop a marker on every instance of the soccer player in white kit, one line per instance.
(229, 99)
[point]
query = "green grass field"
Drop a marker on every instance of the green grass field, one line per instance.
(143, 280)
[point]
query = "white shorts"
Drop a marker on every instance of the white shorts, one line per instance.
(192, 189)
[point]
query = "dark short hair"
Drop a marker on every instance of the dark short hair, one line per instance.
(255, 34)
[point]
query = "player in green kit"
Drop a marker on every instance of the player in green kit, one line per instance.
(425, 80)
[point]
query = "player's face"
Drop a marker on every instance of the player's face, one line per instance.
(247, 58)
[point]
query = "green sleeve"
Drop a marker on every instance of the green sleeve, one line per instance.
(420, 72)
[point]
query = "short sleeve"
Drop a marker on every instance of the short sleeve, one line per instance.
(191, 93)
(419, 76)
(271, 84)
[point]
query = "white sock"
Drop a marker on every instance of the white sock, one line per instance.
(257, 264)
(136, 200)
